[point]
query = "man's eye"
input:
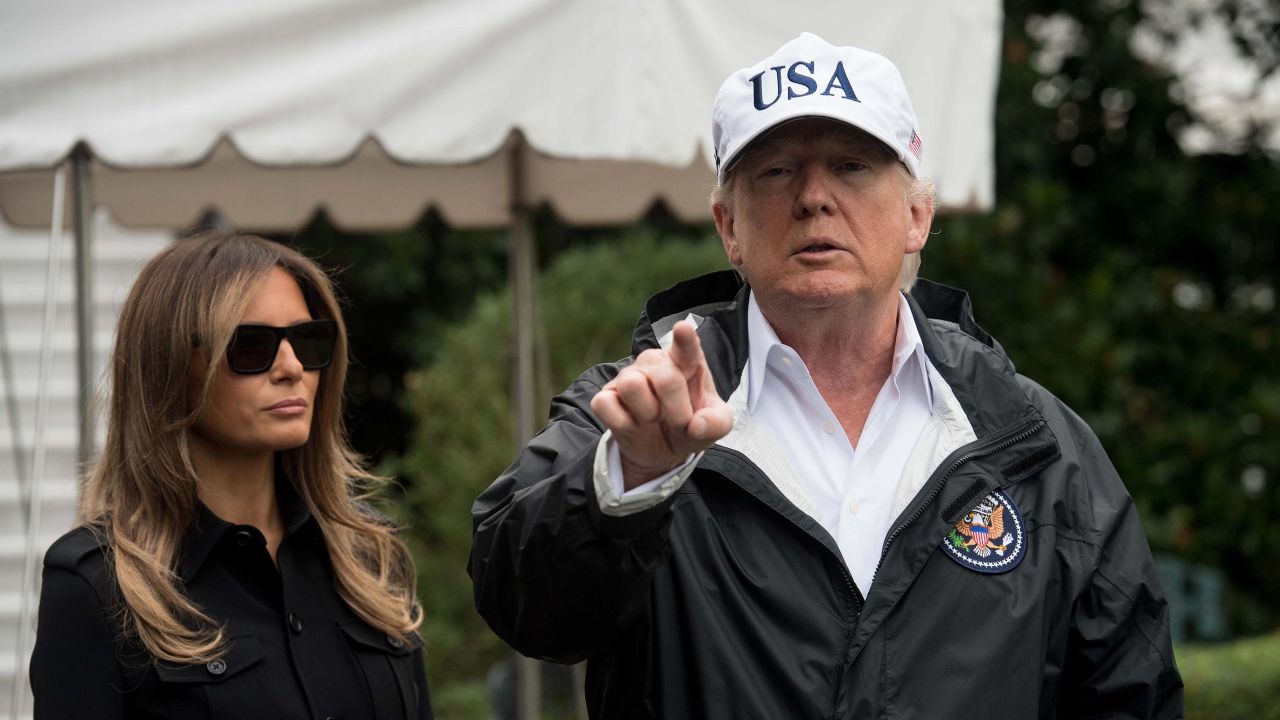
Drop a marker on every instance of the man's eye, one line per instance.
(853, 166)
(773, 171)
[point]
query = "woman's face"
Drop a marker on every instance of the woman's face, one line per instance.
(269, 411)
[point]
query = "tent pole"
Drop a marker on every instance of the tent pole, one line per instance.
(29, 587)
(20, 468)
(521, 269)
(83, 200)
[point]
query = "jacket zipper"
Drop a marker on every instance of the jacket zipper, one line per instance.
(844, 571)
(857, 608)
(941, 480)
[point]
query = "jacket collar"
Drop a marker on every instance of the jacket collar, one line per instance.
(969, 359)
(967, 356)
(722, 298)
(208, 530)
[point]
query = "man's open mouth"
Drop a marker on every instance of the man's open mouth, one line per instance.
(817, 248)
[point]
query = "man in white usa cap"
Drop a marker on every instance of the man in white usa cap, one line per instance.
(818, 488)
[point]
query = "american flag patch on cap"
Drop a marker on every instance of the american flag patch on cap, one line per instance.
(914, 145)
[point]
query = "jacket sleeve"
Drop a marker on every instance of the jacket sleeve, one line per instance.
(554, 576)
(1120, 657)
(74, 673)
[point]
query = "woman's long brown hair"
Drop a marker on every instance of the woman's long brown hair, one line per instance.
(140, 495)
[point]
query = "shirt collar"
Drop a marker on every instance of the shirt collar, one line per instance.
(907, 345)
(761, 342)
(766, 352)
(209, 529)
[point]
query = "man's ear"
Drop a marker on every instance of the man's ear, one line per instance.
(921, 220)
(724, 226)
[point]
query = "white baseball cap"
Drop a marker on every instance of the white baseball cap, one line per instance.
(809, 77)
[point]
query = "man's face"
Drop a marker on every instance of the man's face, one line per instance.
(819, 217)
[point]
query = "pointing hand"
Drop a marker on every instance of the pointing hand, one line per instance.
(663, 407)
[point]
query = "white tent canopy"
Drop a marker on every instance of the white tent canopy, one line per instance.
(377, 109)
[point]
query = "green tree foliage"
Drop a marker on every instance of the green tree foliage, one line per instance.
(590, 300)
(1137, 283)
(399, 289)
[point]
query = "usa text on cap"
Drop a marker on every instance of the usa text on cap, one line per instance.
(809, 77)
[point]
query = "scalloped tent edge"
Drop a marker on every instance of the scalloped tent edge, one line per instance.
(270, 110)
(370, 191)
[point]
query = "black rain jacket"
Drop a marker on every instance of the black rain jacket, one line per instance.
(727, 601)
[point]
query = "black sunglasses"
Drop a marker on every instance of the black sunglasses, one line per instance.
(253, 348)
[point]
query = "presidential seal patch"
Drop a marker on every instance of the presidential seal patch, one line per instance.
(990, 538)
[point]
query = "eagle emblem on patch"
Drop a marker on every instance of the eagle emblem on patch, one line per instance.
(991, 538)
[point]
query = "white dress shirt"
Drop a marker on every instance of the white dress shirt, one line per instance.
(853, 486)
(852, 490)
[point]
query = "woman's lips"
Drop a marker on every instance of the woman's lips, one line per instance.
(292, 406)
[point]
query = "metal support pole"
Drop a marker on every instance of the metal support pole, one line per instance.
(30, 588)
(83, 201)
(20, 469)
(521, 268)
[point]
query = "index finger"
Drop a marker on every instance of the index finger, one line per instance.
(686, 349)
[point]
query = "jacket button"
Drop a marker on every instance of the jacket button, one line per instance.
(242, 538)
(395, 642)
(295, 624)
(216, 666)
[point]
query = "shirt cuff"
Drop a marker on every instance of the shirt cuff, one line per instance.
(609, 486)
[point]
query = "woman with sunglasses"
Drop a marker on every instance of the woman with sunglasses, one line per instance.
(226, 565)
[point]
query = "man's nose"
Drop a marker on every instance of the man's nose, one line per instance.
(814, 194)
